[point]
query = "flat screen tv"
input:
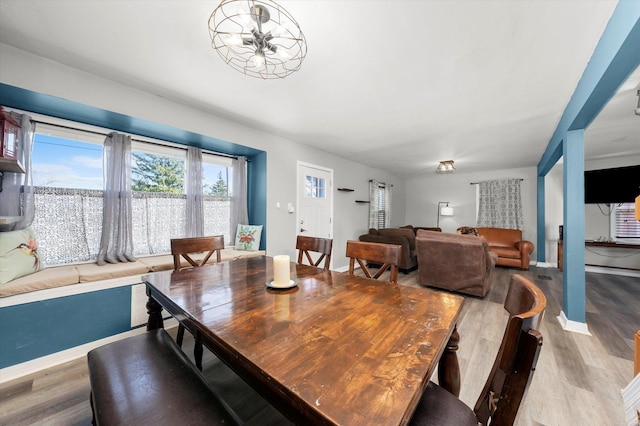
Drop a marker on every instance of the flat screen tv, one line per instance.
(612, 186)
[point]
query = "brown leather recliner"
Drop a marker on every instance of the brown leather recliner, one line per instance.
(404, 236)
(508, 244)
(460, 263)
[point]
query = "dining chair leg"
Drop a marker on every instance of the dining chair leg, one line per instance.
(180, 335)
(197, 353)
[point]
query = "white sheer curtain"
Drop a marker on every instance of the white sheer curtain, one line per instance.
(379, 204)
(116, 243)
(195, 211)
(16, 198)
(500, 204)
(239, 213)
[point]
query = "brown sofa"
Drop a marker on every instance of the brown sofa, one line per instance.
(460, 263)
(404, 236)
(508, 244)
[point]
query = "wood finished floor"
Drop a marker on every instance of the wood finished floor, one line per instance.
(577, 382)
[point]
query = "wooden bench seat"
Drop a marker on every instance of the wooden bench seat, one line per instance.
(147, 379)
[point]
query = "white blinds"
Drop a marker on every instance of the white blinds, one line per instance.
(626, 224)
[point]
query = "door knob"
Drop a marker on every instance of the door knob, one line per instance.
(303, 230)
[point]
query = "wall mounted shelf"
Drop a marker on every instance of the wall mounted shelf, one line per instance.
(362, 202)
(9, 165)
(346, 189)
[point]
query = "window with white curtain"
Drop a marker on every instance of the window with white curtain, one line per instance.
(159, 200)
(218, 187)
(68, 175)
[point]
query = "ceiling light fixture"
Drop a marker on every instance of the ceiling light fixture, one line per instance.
(258, 38)
(445, 167)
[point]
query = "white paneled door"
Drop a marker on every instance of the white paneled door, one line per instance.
(315, 201)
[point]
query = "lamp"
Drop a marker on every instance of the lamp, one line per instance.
(445, 167)
(258, 38)
(443, 211)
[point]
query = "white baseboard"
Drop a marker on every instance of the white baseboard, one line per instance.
(573, 326)
(612, 271)
(546, 265)
(29, 367)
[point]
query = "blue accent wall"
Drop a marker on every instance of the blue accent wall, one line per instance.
(27, 100)
(36, 329)
(257, 194)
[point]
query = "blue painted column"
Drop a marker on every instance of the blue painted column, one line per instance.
(573, 304)
(541, 238)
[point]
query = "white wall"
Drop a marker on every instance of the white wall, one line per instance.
(424, 192)
(27, 71)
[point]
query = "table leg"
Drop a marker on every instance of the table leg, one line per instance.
(154, 309)
(448, 367)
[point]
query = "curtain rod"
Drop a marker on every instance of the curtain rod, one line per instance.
(478, 183)
(381, 183)
(94, 132)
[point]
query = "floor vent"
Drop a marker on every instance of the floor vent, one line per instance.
(544, 277)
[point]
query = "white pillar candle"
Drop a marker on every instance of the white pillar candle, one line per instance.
(281, 274)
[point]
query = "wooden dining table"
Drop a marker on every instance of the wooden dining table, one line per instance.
(333, 349)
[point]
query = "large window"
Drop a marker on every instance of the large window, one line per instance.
(67, 169)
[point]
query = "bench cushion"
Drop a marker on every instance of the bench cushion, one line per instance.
(92, 272)
(46, 278)
(147, 379)
(158, 263)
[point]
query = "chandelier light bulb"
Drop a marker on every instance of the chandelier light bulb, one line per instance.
(233, 40)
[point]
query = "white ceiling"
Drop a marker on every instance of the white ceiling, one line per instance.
(397, 85)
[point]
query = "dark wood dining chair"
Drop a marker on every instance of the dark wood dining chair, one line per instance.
(387, 255)
(183, 248)
(323, 246)
(511, 373)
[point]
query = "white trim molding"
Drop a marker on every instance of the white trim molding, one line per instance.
(612, 271)
(573, 326)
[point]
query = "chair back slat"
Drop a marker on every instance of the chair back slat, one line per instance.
(387, 255)
(305, 245)
(184, 247)
(518, 354)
